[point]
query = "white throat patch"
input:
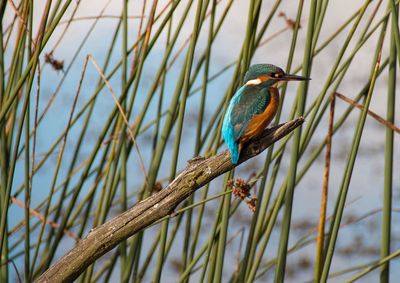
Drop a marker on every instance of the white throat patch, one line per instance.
(254, 82)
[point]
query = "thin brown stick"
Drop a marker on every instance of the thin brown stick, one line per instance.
(18, 15)
(64, 32)
(35, 124)
(324, 196)
(186, 43)
(198, 173)
(60, 84)
(370, 113)
(274, 35)
(148, 30)
(99, 17)
(136, 54)
(122, 114)
(42, 218)
(58, 163)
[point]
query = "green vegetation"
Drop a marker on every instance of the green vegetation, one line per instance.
(81, 140)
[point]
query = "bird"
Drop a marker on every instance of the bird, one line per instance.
(253, 106)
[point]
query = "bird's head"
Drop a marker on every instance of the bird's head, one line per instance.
(268, 75)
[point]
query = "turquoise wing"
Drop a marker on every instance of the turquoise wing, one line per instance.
(245, 104)
(250, 101)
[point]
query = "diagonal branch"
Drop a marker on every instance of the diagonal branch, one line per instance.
(198, 173)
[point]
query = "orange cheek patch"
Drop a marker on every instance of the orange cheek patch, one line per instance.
(264, 78)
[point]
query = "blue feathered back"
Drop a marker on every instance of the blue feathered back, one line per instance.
(228, 131)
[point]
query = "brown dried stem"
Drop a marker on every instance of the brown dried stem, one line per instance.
(324, 196)
(369, 112)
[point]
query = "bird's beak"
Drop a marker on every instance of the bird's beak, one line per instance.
(288, 77)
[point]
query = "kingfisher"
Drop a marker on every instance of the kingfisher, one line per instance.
(253, 106)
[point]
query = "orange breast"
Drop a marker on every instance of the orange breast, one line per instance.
(259, 122)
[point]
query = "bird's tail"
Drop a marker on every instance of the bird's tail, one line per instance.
(234, 149)
(229, 137)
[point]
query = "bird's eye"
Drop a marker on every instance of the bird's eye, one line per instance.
(276, 75)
